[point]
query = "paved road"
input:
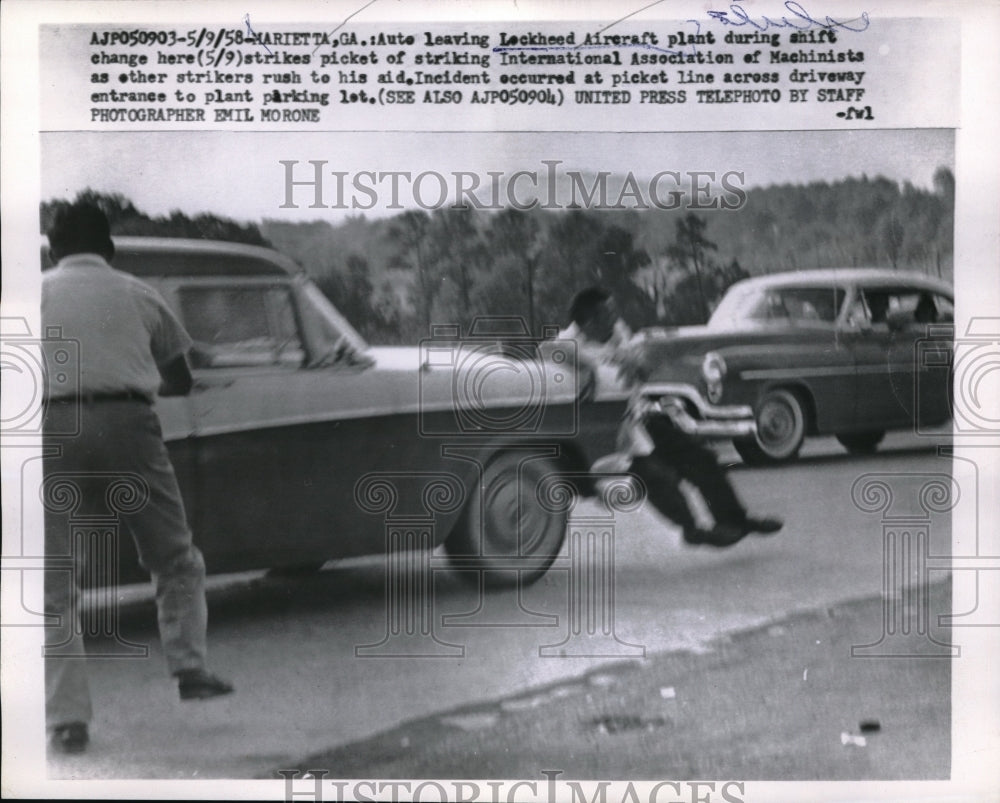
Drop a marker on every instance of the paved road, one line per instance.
(289, 644)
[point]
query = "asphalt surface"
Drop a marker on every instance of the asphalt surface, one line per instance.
(291, 645)
(786, 701)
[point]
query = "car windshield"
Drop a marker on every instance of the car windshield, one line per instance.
(322, 320)
(745, 304)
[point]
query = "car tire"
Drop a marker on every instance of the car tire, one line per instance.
(861, 442)
(781, 429)
(505, 532)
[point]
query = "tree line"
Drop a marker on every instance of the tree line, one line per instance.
(395, 277)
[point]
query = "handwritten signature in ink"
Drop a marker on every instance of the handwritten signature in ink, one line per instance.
(253, 34)
(800, 19)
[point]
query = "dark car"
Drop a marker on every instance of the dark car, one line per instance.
(300, 443)
(844, 352)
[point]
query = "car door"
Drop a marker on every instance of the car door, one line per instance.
(799, 345)
(812, 351)
(934, 321)
(278, 444)
(884, 349)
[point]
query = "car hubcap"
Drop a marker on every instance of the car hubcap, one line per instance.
(777, 424)
(513, 522)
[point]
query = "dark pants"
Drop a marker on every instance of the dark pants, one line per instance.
(678, 456)
(116, 463)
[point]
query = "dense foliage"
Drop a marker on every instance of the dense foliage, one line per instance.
(395, 277)
(126, 220)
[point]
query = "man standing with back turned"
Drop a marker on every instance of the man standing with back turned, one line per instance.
(132, 348)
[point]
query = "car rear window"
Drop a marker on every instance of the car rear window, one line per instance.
(905, 306)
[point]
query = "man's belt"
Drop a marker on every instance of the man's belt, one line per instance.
(96, 398)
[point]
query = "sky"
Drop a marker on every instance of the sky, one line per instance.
(239, 175)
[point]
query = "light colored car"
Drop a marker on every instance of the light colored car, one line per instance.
(300, 443)
(845, 352)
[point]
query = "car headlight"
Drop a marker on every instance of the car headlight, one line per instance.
(713, 369)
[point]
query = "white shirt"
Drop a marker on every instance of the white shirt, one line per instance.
(633, 438)
(600, 353)
(124, 328)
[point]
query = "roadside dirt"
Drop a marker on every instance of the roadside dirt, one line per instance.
(783, 702)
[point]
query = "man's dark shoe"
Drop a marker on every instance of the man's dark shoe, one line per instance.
(764, 525)
(71, 737)
(197, 684)
(721, 535)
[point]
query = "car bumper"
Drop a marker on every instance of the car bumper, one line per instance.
(692, 413)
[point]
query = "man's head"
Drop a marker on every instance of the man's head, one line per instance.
(878, 305)
(80, 228)
(926, 311)
(593, 311)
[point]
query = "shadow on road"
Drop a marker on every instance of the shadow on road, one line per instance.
(932, 447)
(336, 588)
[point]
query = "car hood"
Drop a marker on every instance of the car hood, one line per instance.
(395, 358)
(447, 375)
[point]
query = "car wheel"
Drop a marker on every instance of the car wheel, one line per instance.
(862, 442)
(505, 529)
(781, 428)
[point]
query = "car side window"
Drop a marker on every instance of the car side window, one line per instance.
(877, 303)
(909, 307)
(241, 326)
(925, 307)
(804, 304)
(945, 309)
(858, 314)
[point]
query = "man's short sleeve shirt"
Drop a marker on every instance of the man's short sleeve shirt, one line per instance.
(124, 328)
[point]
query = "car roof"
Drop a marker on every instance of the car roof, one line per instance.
(822, 277)
(152, 257)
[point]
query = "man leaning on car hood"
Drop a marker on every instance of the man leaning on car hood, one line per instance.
(660, 453)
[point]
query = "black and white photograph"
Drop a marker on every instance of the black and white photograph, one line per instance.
(500, 402)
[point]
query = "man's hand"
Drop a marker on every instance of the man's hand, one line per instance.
(358, 359)
(343, 353)
(632, 369)
(176, 377)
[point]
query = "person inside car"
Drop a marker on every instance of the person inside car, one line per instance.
(925, 311)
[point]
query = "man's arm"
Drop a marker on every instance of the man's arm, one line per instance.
(631, 361)
(169, 342)
(176, 377)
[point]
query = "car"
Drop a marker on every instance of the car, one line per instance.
(301, 443)
(849, 352)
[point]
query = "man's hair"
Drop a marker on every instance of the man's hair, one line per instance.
(80, 228)
(585, 304)
(878, 306)
(925, 311)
